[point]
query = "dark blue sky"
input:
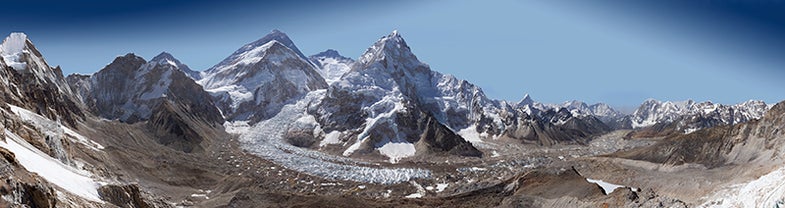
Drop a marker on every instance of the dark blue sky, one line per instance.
(615, 51)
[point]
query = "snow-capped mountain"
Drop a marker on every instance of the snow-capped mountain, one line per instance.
(331, 64)
(386, 101)
(526, 100)
(131, 90)
(26, 80)
(690, 116)
(259, 78)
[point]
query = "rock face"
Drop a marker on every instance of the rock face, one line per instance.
(259, 78)
(28, 82)
(331, 65)
(159, 92)
(126, 196)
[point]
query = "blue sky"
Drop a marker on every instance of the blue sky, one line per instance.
(613, 51)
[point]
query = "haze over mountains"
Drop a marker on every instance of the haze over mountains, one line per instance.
(270, 121)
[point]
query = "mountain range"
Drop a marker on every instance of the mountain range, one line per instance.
(376, 119)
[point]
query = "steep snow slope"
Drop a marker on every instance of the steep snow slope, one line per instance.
(65, 177)
(766, 191)
(54, 130)
(331, 65)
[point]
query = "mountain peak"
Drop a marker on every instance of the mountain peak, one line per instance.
(166, 58)
(274, 35)
(393, 37)
(392, 45)
(12, 48)
(527, 100)
(328, 53)
(163, 56)
(261, 45)
(14, 43)
(128, 57)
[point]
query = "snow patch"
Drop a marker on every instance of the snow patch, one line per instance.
(159, 89)
(397, 151)
(608, 188)
(52, 170)
(690, 130)
(441, 186)
(334, 137)
(414, 196)
(471, 135)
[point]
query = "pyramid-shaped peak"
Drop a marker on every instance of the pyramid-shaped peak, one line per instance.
(167, 58)
(163, 56)
(275, 35)
(392, 45)
(262, 44)
(527, 100)
(393, 37)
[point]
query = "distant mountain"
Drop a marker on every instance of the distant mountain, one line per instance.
(331, 65)
(746, 142)
(259, 78)
(658, 118)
